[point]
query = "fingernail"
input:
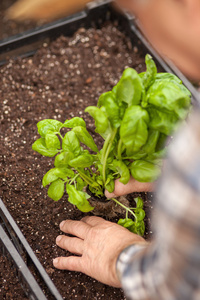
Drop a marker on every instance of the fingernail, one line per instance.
(58, 238)
(55, 261)
(62, 224)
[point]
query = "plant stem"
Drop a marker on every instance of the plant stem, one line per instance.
(125, 207)
(60, 135)
(105, 147)
(88, 180)
(119, 147)
(106, 152)
(73, 179)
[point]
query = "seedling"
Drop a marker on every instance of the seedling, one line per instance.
(134, 119)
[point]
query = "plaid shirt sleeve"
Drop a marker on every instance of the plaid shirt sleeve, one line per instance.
(169, 268)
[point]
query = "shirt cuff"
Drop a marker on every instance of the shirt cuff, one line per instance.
(126, 256)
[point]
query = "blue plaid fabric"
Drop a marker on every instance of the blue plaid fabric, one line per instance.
(169, 268)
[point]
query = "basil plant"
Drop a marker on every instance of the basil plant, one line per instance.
(135, 118)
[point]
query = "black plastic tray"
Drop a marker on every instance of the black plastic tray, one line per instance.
(15, 247)
(12, 242)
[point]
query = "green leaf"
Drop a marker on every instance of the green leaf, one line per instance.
(49, 177)
(66, 173)
(101, 120)
(56, 173)
(52, 141)
(169, 96)
(100, 181)
(40, 146)
(134, 129)
(167, 77)
(103, 96)
(138, 155)
(62, 160)
(122, 105)
(82, 161)
(125, 222)
(149, 76)
(56, 190)
(140, 214)
(144, 171)
(135, 227)
(157, 155)
(80, 183)
(85, 138)
(149, 147)
(152, 140)
(76, 121)
(161, 144)
(140, 228)
(110, 186)
(129, 88)
(84, 206)
(122, 170)
(122, 109)
(71, 143)
(128, 224)
(139, 202)
(162, 121)
(78, 198)
(114, 90)
(110, 183)
(111, 108)
(48, 125)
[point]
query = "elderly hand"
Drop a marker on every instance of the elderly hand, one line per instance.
(97, 244)
(131, 187)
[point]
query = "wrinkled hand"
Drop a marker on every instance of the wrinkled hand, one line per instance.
(97, 244)
(132, 186)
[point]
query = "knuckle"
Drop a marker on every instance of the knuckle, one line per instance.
(85, 218)
(64, 242)
(71, 263)
(74, 263)
(61, 262)
(93, 233)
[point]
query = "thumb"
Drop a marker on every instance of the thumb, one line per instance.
(131, 187)
(109, 195)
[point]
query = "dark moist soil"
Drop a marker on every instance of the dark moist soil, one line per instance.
(59, 82)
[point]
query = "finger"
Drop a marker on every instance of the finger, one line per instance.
(132, 186)
(93, 221)
(71, 263)
(71, 244)
(109, 195)
(121, 189)
(76, 228)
